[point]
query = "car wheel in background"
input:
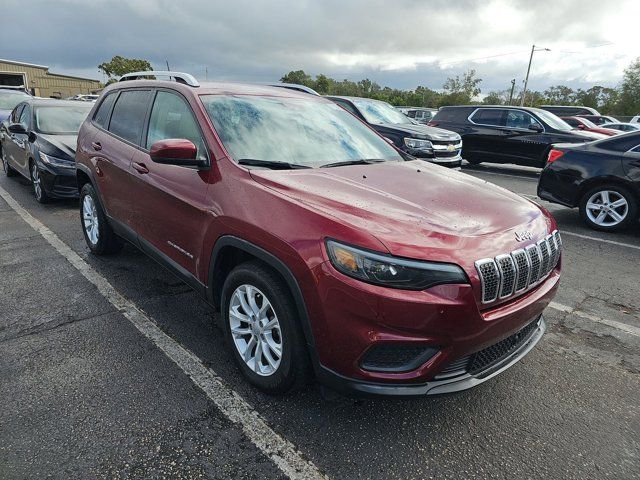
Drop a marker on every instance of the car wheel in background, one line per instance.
(100, 237)
(609, 208)
(261, 324)
(36, 181)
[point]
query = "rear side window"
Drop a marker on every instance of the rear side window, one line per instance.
(127, 119)
(572, 121)
(489, 116)
(622, 143)
(101, 117)
(171, 117)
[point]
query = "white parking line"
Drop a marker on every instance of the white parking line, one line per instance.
(604, 240)
(611, 323)
(522, 177)
(282, 452)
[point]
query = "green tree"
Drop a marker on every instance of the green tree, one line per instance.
(322, 84)
(119, 65)
(629, 102)
(299, 77)
(559, 95)
(461, 90)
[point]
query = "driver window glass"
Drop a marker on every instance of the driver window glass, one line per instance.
(519, 119)
(171, 117)
(16, 114)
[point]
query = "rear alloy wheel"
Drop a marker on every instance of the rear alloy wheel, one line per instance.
(100, 238)
(608, 208)
(38, 189)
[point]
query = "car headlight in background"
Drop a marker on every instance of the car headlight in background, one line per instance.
(390, 271)
(418, 144)
(57, 162)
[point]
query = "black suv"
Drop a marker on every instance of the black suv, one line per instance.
(432, 144)
(500, 134)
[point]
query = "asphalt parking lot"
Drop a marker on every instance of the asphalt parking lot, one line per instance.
(111, 367)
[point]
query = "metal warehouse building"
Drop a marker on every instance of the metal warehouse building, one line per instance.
(42, 83)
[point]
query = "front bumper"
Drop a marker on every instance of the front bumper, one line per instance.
(59, 182)
(455, 381)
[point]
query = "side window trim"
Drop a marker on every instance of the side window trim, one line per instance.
(470, 117)
(116, 95)
(505, 110)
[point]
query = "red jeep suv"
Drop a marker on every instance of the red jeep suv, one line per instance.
(326, 250)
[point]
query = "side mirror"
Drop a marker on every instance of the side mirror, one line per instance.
(535, 128)
(18, 128)
(176, 151)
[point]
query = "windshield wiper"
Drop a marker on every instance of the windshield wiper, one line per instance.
(254, 162)
(362, 161)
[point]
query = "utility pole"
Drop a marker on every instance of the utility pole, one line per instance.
(513, 85)
(526, 79)
(168, 69)
(206, 74)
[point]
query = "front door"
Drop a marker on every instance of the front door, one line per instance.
(169, 208)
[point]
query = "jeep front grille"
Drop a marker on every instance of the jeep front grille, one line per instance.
(514, 273)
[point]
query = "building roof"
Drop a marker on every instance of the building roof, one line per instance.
(44, 67)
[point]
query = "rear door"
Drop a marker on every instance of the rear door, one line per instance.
(124, 113)
(169, 208)
(486, 138)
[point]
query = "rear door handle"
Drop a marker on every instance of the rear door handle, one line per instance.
(96, 146)
(140, 167)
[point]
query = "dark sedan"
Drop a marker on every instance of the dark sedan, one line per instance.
(602, 179)
(40, 143)
(503, 134)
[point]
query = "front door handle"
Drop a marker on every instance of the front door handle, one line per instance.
(96, 146)
(140, 167)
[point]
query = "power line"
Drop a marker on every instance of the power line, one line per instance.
(482, 58)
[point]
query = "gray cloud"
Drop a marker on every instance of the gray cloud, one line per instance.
(400, 43)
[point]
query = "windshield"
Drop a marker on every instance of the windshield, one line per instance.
(8, 99)
(552, 120)
(588, 123)
(60, 119)
(377, 112)
(301, 131)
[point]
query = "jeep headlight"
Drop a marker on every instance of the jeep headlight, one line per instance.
(390, 271)
(418, 144)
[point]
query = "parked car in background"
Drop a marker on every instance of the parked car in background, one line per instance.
(84, 97)
(569, 110)
(585, 125)
(421, 141)
(40, 145)
(325, 250)
(635, 119)
(601, 179)
(599, 119)
(622, 127)
(9, 98)
(421, 115)
(503, 134)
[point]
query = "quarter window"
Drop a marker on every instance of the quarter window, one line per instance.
(171, 117)
(488, 116)
(101, 117)
(127, 119)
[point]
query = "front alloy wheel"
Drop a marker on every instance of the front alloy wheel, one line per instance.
(255, 329)
(608, 208)
(36, 181)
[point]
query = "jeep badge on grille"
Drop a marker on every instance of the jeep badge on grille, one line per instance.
(523, 235)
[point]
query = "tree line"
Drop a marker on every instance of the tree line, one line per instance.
(463, 89)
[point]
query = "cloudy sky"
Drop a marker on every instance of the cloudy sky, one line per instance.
(399, 43)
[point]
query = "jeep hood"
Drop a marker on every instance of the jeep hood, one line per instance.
(412, 206)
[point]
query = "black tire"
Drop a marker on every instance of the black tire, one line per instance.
(36, 182)
(106, 241)
(473, 161)
(294, 370)
(630, 217)
(8, 171)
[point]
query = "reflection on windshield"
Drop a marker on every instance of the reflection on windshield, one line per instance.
(60, 119)
(552, 120)
(377, 112)
(299, 131)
